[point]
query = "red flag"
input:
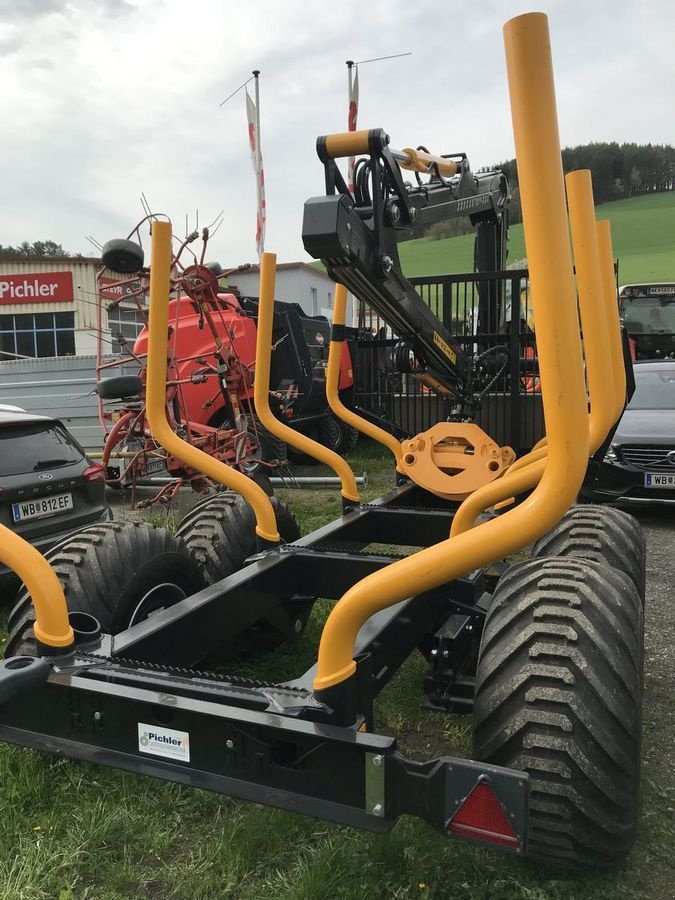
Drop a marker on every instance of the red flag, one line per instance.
(351, 121)
(256, 158)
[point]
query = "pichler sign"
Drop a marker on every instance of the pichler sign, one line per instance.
(41, 287)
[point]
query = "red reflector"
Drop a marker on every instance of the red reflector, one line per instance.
(481, 817)
(94, 474)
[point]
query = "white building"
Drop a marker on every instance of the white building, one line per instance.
(296, 282)
(49, 307)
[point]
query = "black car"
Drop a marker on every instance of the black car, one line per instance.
(639, 466)
(48, 487)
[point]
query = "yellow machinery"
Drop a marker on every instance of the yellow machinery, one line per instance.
(546, 657)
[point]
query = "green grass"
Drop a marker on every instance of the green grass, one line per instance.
(72, 831)
(643, 235)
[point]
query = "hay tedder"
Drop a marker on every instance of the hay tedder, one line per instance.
(106, 643)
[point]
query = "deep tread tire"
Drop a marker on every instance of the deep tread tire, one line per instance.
(558, 695)
(120, 386)
(106, 570)
(599, 533)
(219, 533)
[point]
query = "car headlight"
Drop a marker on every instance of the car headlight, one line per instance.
(611, 455)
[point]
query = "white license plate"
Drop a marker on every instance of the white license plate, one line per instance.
(39, 509)
(659, 480)
(154, 465)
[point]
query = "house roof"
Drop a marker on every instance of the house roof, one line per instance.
(255, 269)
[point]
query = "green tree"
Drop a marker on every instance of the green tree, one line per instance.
(36, 250)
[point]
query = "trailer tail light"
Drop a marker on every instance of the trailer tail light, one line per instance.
(482, 818)
(94, 474)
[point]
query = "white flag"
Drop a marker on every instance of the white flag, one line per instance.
(256, 158)
(351, 122)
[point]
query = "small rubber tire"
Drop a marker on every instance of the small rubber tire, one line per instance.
(215, 268)
(122, 256)
(119, 572)
(599, 533)
(558, 695)
(119, 387)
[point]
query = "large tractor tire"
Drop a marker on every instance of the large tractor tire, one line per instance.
(350, 438)
(119, 572)
(558, 695)
(329, 433)
(600, 533)
(219, 534)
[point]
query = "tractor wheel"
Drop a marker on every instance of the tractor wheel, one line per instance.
(122, 256)
(119, 387)
(219, 534)
(599, 533)
(119, 572)
(329, 433)
(558, 695)
(300, 458)
(272, 449)
(350, 438)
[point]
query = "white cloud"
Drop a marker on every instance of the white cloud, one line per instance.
(103, 100)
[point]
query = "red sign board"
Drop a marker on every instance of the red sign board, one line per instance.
(38, 287)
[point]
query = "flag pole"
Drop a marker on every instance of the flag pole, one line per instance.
(258, 151)
(351, 120)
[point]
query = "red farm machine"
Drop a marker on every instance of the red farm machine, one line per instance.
(210, 373)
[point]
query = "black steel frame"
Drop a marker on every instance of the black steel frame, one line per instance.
(277, 744)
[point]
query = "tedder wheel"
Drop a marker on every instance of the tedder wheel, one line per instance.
(120, 386)
(122, 256)
(219, 534)
(558, 695)
(119, 572)
(599, 533)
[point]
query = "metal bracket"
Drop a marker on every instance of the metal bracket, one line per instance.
(375, 766)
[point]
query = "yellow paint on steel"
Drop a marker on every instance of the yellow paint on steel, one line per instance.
(332, 379)
(563, 389)
(51, 611)
(592, 306)
(612, 311)
(347, 143)
(421, 161)
(160, 267)
(261, 387)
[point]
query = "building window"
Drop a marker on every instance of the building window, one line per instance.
(125, 322)
(37, 334)
(313, 301)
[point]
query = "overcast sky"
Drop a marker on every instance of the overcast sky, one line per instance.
(103, 99)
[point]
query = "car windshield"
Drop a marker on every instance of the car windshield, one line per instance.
(654, 390)
(649, 314)
(36, 447)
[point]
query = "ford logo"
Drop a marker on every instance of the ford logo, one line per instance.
(47, 475)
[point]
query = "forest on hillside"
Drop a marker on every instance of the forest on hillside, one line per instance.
(618, 171)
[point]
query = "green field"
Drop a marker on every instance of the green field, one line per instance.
(643, 234)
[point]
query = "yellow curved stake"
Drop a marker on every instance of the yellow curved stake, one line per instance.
(599, 333)
(612, 311)
(332, 379)
(155, 397)
(261, 388)
(51, 611)
(564, 391)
